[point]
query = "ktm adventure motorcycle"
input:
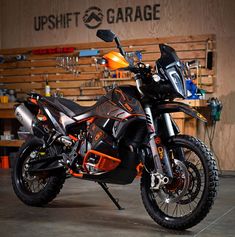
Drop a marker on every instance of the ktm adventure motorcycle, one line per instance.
(128, 132)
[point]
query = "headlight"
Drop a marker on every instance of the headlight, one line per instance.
(177, 80)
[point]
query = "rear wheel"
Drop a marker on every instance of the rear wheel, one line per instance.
(189, 197)
(35, 190)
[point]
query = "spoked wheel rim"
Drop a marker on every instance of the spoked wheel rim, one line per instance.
(31, 184)
(188, 202)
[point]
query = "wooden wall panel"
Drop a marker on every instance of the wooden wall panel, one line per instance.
(180, 17)
(31, 74)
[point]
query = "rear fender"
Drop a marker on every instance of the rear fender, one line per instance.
(32, 106)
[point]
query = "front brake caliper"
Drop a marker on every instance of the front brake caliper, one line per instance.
(158, 180)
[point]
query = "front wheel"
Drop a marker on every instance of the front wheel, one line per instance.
(172, 206)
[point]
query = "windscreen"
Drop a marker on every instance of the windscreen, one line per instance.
(168, 56)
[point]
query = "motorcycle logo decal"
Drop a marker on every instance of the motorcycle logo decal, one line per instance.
(158, 140)
(201, 116)
(160, 152)
(128, 107)
(93, 17)
(98, 135)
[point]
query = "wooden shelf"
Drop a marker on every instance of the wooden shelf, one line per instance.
(7, 110)
(116, 79)
(194, 103)
(7, 105)
(180, 115)
(11, 143)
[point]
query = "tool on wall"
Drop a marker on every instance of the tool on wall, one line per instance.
(215, 106)
(69, 63)
(53, 51)
(12, 58)
(47, 87)
(89, 52)
(192, 90)
(195, 64)
(193, 82)
(209, 54)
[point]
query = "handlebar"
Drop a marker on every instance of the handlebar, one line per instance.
(34, 95)
(192, 63)
(121, 50)
(100, 61)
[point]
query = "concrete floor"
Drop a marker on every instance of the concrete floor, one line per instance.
(83, 209)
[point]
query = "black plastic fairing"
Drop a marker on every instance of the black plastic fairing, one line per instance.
(33, 108)
(168, 55)
(53, 116)
(171, 71)
(171, 107)
(131, 91)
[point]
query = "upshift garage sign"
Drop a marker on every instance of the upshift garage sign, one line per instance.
(93, 17)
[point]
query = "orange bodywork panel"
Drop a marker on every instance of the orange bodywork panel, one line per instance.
(77, 175)
(139, 169)
(73, 138)
(105, 162)
(34, 101)
(115, 60)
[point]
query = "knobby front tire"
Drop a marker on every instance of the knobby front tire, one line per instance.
(203, 182)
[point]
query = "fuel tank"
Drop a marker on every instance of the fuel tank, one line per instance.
(116, 105)
(120, 105)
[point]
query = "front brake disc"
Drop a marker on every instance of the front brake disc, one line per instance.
(169, 196)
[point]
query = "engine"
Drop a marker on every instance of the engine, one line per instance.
(99, 151)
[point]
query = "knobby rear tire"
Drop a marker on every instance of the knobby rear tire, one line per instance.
(53, 184)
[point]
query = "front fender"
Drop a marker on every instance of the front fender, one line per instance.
(171, 107)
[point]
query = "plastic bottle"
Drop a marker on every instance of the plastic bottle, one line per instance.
(47, 89)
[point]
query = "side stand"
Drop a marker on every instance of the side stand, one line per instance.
(114, 200)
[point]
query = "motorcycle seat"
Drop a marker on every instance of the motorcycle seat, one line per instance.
(68, 107)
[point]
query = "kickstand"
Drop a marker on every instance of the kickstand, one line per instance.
(115, 201)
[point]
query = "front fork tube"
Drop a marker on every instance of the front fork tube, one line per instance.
(171, 133)
(156, 158)
(158, 149)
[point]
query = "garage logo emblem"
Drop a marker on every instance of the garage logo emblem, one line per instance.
(93, 17)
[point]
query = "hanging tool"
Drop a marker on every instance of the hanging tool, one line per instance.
(12, 58)
(216, 107)
(209, 55)
(89, 52)
(69, 63)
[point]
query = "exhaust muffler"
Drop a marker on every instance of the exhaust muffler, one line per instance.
(34, 126)
(29, 121)
(25, 117)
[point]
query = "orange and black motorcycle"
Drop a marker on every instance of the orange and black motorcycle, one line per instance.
(128, 132)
